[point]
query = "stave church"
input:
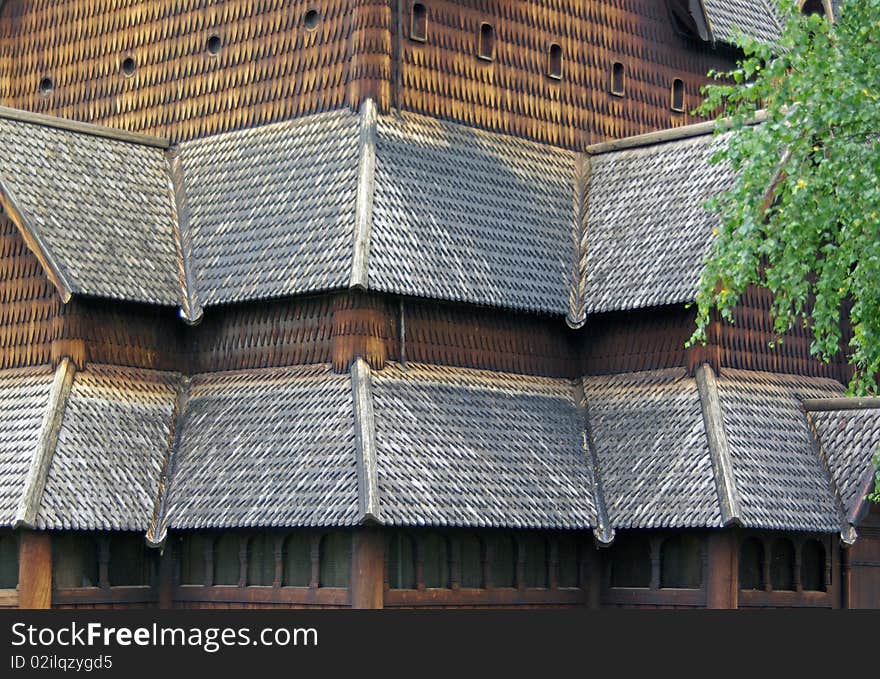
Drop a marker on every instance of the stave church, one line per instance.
(384, 304)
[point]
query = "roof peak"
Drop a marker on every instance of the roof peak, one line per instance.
(83, 128)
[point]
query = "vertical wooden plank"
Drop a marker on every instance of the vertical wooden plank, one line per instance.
(722, 577)
(35, 570)
(167, 562)
(367, 569)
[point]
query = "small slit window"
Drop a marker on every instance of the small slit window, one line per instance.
(261, 561)
(503, 561)
(813, 566)
(436, 561)
(486, 42)
(227, 564)
(681, 562)
(335, 554)
(312, 19)
(617, 84)
(401, 561)
(782, 565)
(554, 61)
(297, 559)
(74, 561)
(8, 560)
(677, 103)
(630, 561)
(128, 67)
(192, 559)
(470, 561)
(751, 564)
(214, 45)
(418, 29)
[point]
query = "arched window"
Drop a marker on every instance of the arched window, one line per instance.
(192, 559)
(227, 563)
(813, 566)
(535, 548)
(782, 565)
(8, 560)
(261, 561)
(503, 565)
(418, 30)
(470, 561)
(74, 561)
(297, 561)
(129, 563)
(569, 562)
(486, 43)
(630, 561)
(751, 564)
(677, 102)
(810, 7)
(681, 562)
(335, 555)
(554, 61)
(401, 559)
(617, 84)
(435, 566)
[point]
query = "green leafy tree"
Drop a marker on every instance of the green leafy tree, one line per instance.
(803, 217)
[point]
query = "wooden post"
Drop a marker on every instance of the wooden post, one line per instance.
(722, 577)
(166, 577)
(367, 569)
(35, 570)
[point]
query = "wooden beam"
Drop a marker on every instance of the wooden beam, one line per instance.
(35, 570)
(722, 579)
(38, 472)
(667, 135)
(818, 404)
(367, 569)
(719, 450)
(82, 128)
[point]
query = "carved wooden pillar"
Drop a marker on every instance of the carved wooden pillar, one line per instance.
(35, 570)
(367, 569)
(722, 578)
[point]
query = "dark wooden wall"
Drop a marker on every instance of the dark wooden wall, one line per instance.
(335, 327)
(29, 303)
(863, 564)
(271, 66)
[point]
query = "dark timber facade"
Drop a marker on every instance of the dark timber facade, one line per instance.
(382, 304)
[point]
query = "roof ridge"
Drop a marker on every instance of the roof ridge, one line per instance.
(191, 309)
(76, 126)
(603, 532)
(719, 447)
(848, 533)
(365, 443)
(157, 531)
(35, 481)
(669, 134)
(366, 189)
(577, 313)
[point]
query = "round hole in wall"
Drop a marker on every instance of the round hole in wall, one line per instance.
(311, 19)
(214, 45)
(46, 86)
(128, 66)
